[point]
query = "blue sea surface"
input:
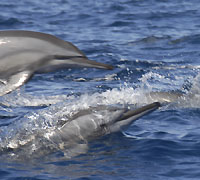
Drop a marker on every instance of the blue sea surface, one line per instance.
(154, 46)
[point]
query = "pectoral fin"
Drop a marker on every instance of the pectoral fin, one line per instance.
(14, 81)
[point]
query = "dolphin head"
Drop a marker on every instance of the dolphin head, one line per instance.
(64, 62)
(96, 122)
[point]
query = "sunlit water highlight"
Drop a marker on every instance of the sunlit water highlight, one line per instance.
(154, 46)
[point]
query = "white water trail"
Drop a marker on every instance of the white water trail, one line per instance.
(63, 107)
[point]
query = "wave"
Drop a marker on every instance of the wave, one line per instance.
(10, 22)
(20, 131)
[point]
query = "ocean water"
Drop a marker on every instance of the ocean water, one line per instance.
(154, 46)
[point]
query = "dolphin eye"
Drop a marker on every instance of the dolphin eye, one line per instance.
(104, 128)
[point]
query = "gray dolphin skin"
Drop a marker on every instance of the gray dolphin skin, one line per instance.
(23, 53)
(73, 135)
(164, 97)
(84, 126)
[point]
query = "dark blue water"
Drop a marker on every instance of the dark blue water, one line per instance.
(154, 46)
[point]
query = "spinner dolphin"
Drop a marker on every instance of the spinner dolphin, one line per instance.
(72, 135)
(23, 53)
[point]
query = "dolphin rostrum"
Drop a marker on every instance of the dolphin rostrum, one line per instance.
(23, 53)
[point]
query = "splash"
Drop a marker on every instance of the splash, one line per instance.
(34, 127)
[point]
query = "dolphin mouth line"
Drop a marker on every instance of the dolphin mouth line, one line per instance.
(62, 57)
(86, 61)
(149, 107)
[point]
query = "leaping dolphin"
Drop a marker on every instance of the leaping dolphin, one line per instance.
(23, 53)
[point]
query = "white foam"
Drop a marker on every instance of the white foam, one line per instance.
(64, 106)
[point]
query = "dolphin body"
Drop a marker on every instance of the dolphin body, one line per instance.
(165, 97)
(23, 53)
(73, 135)
(85, 126)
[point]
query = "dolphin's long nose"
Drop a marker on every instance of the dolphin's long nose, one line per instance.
(92, 63)
(82, 61)
(140, 111)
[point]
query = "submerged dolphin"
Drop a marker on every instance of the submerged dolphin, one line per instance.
(85, 126)
(23, 53)
(165, 97)
(72, 136)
